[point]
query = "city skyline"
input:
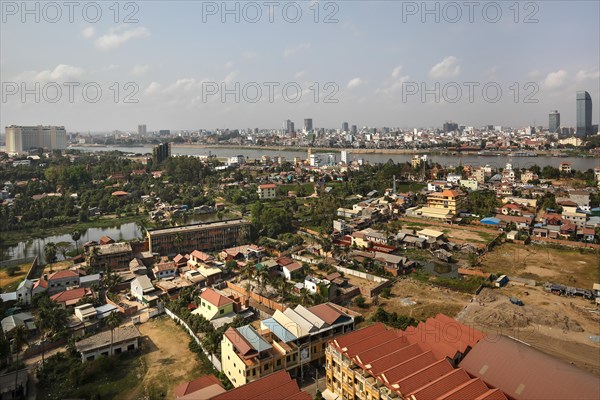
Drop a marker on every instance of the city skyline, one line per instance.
(373, 72)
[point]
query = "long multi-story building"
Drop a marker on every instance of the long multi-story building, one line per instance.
(21, 139)
(204, 237)
(377, 363)
(443, 205)
(286, 342)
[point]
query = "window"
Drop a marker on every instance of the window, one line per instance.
(221, 311)
(131, 347)
(279, 362)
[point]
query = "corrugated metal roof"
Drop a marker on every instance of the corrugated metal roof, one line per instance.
(278, 330)
(255, 340)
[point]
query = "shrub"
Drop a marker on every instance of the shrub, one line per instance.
(359, 301)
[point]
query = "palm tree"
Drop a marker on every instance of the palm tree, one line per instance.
(19, 340)
(113, 321)
(50, 252)
(178, 241)
(305, 297)
(92, 257)
(76, 235)
(52, 320)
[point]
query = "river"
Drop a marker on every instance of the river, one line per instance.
(578, 163)
(119, 232)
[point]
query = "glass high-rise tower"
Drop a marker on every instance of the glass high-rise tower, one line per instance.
(584, 114)
(554, 121)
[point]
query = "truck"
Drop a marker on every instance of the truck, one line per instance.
(516, 301)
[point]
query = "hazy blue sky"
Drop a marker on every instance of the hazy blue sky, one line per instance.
(374, 53)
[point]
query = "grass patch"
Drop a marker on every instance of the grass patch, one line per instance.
(10, 282)
(65, 376)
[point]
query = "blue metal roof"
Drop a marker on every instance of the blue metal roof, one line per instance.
(278, 330)
(490, 221)
(254, 338)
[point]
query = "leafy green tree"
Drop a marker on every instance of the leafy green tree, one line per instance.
(76, 235)
(50, 252)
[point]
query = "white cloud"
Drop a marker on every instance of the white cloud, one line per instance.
(185, 84)
(395, 85)
(88, 32)
(230, 77)
(290, 51)
(584, 75)
(140, 69)
(229, 64)
(61, 73)
(300, 74)
(354, 83)
(152, 88)
(555, 79)
(447, 68)
(118, 37)
(491, 72)
(534, 73)
(396, 72)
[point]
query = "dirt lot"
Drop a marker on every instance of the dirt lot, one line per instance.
(11, 282)
(166, 357)
(542, 263)
(462, 234)
(429, 300)
(557, 325)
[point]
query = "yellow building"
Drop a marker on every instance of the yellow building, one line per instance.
(443, 205)
(214, 305)
(288, 341)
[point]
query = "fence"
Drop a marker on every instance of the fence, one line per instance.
(213, 359)
(257, 297)
(18, 261)
(567, 243)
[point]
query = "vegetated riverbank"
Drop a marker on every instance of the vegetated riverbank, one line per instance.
(13, 238)
(570, 153)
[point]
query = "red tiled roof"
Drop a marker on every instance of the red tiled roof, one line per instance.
(523, 372)
(70, 295)
(277, 386)
(65, 273)
(294, 266)
(215, 298)
(441, 385)
(327, 313)
(268, 186)
(199, 384)
(468, 390)
(424, 376)
(415, 359)
(240, 342)
(201, 255)
(284, 261)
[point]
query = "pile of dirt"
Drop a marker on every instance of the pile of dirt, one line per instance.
(506, 315)
(486, 296)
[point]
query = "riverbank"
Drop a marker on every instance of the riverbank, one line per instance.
(13, 238)
(441, 152)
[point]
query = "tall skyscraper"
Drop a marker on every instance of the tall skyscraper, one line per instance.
(308, 124)
(160, 153)
(142, 129)
(450, 127)
(354, 130)
(288, 126)
(554, 121)
(344, 127)
(20, 139)
(584, 114)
